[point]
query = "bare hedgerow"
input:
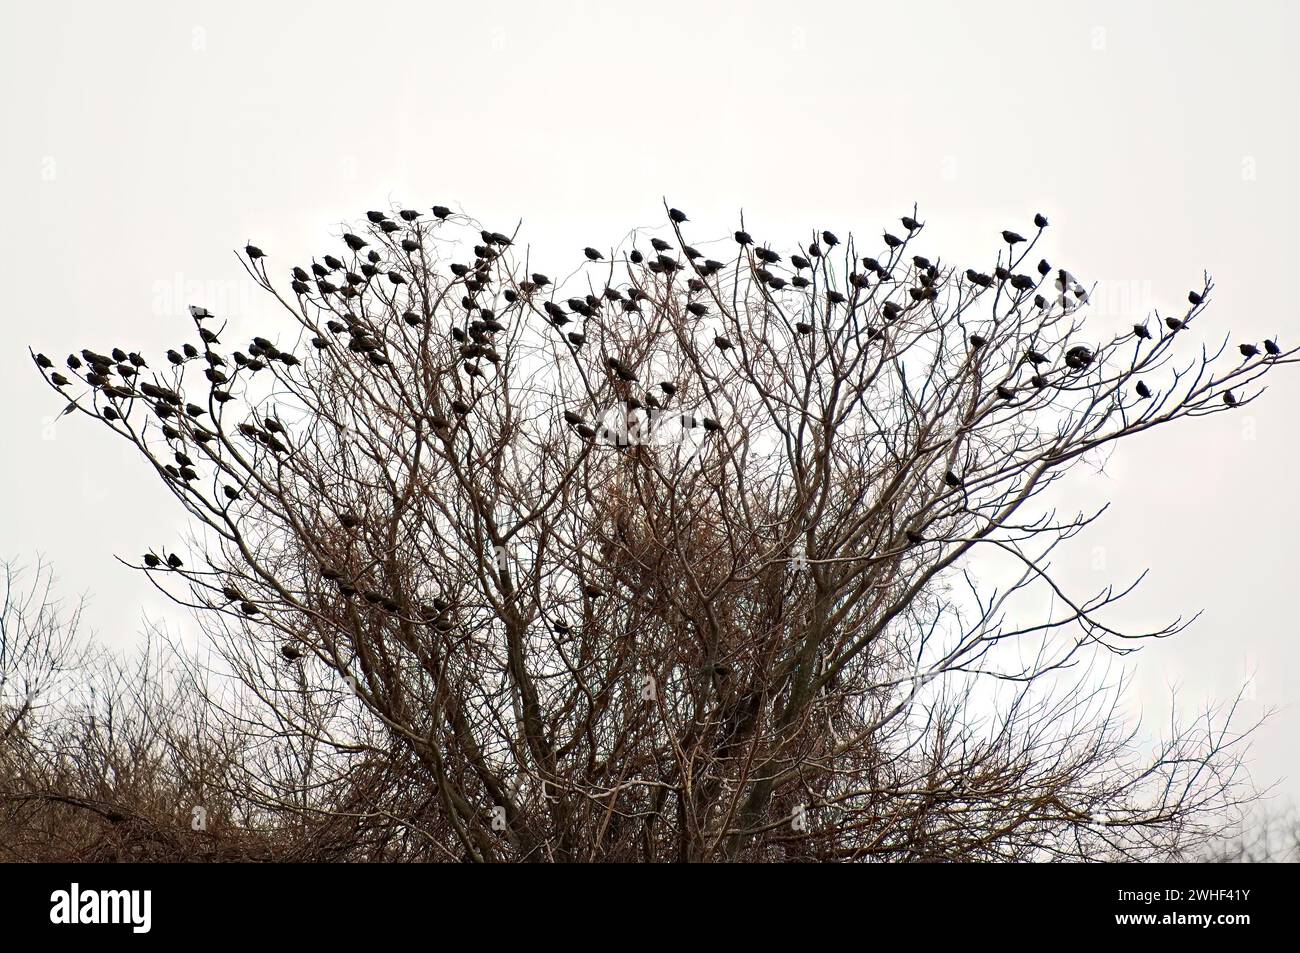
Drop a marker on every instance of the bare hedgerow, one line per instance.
(668, 558)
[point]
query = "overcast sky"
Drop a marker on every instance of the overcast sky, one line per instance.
(143, 144)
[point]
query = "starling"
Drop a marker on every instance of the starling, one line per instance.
(834, 297)
(190, 350)
(59, 380)
(576, 339)
(892, 241)
(572, 419)
(1140, 330)
(677, 215)
(174, 561)
(199, 314)
(803, 327)
(333, 263)
(658, 244)
(152, 561)
(586, 432)
(353, 242)
(830, 239)
(910, 223)
(43, 361)
(800, 262)
(1035, 357)
(1194, 298)
(441, 211)
(668, 388)
(290, 651)
(711, 425)
(248, 608)
(951, 479)
(1229, 399)
(592, 254)
(231, 493)
(723, 344)
(1012, 238)
(253, 252)
(1271, 347)
(698, 309)
(1143, 390)
(744, 238)
(1174, 324)
(1040, 220)
(1078, 357)
(1005, 392)
(1248, 351)
(460, 408)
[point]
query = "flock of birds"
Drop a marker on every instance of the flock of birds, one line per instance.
(118, 375)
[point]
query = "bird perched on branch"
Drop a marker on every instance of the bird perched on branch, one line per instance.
(1012, 238)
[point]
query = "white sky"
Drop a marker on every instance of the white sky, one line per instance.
(142, 143)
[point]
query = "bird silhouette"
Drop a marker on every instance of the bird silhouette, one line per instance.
(744, 238)
(253, 252)
(1140, 330)
(592, 254)
(952, 480)
(1271, 347)
(1078, 357)
(1012, 238)
(1194, 298)
(152, 561)
(1248, 351)
(1174, 324)
(441, 211)
(677, 215)
(1229, 398)
(829, 239)
(174, 561)
(1143, 390)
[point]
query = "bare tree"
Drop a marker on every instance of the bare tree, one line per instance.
(674, 563)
